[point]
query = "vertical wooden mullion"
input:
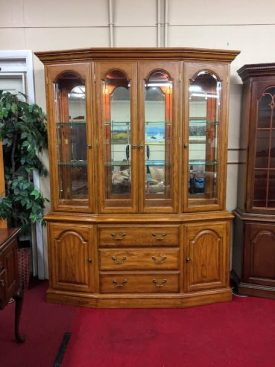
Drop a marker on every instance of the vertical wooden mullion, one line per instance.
(91, 137)
(135, 128)
(141, 138)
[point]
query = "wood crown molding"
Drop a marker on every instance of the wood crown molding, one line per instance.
(169, 53)
(254, 70)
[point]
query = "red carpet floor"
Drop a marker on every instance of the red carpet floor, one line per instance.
(44, 325)
(236, 334)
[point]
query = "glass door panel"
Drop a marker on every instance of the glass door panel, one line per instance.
(157, 146)
(117, 132)
(158, 124)
(264, 163)
(71, 148)
(203, 132)
(117, 92)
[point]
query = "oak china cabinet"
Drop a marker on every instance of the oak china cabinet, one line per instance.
(254, 243)
(138, 143)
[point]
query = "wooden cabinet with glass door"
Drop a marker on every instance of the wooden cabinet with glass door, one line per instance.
(138, 155)
(254, 243)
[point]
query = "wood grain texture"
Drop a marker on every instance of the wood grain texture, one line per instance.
(136, 250)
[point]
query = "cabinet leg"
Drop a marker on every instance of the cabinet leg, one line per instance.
(18, 308)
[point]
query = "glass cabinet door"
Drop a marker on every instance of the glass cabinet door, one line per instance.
(116, 86)
(203, 151)
(69, 125)
(263, 172)
(157, 143)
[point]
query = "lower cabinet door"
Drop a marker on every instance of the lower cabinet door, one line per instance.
(259, 254)
(71, 257)
(206, 256)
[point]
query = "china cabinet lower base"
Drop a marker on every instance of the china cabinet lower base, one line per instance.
(139, 260)
(254, 254)
(255, 290)
(140, 301)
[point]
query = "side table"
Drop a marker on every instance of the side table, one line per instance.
(9, 277)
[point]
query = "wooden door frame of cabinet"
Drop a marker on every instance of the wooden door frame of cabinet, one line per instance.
(191, 69)
(257, 88)
(221, 229)
(129, 68)
(90, 262)
(51, 74)
(174, 68)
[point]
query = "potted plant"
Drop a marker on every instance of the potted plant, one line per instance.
(23, 134)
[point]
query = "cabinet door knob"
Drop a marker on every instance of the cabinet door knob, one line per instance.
(90, 260)
(89, 146)
(188, 259)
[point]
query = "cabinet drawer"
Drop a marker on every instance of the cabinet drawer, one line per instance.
(139, 259)
(139, 283)
(139, 236)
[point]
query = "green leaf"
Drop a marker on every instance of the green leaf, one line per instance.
(23, 133)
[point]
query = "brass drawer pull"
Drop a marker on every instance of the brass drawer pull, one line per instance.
(159, 236)
(118, 236)
(119, 260)
(159, 259)
(120, 284)
(159, 283)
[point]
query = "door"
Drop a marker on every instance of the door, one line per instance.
(205, 136)
(117, 109)
(159, 97)
(72, 257)
(206, 256)
(71, 137)
(259, 254)
(261, 163)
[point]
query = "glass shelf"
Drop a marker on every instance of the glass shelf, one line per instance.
(198, 120)
(126, 163)
(202, 163)
(75, 163)
(70, 123)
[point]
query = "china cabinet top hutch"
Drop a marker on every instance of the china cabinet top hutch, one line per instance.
(137, 147)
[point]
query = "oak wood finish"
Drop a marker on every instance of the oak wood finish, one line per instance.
(143, 250)
(254, 238)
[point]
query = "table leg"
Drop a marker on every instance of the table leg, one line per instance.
(18, 308)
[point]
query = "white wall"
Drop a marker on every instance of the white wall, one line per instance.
(237, 24)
